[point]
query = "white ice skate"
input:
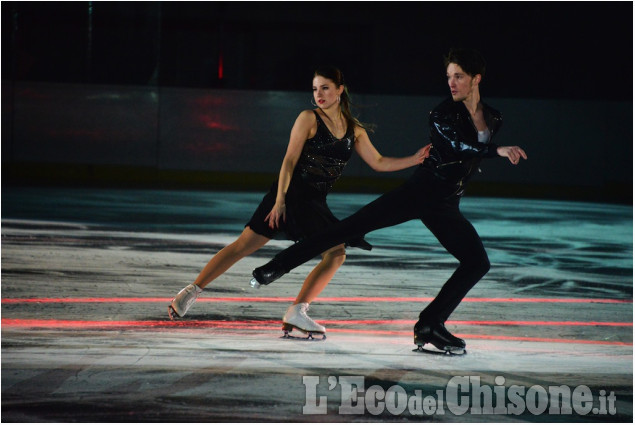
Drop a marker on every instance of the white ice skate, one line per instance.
(183, 301)
(296, 318)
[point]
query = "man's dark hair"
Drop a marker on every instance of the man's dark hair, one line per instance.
(470, 60)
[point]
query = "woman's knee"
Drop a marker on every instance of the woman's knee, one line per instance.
(248, 242)
(335, 256)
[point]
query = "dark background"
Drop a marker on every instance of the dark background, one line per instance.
(574, 50)
(204, 94)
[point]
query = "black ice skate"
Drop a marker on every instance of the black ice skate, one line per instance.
(266, 274)
(437, 335)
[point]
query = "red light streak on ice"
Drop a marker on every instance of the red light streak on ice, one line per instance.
(152, 324)
(489, 337)
(222, 323)
(480, 323)
(269, 325)
(323, 299)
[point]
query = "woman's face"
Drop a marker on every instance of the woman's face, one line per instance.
(325, 92)
(461, 84)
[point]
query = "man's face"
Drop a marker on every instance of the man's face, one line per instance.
(461, 84)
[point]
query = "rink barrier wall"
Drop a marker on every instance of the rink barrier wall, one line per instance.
(107, 135)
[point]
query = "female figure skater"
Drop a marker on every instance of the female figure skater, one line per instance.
(461, 131)
(320, 145)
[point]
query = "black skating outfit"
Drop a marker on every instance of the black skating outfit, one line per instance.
(432, 195)
(320, 164)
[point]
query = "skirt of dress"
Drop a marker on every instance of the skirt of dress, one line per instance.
(307, 213)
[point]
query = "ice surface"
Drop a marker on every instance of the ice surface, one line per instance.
(104, 360)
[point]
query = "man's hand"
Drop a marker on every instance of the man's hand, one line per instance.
(514, 153)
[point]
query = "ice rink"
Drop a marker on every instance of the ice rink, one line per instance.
(87, 275)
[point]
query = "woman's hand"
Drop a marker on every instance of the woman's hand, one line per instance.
(279, 211)
(422, 153)
(514, 153)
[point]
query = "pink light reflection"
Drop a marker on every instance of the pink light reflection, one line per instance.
(257, 325)
(322, 299)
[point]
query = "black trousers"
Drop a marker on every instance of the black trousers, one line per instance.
(425, 197)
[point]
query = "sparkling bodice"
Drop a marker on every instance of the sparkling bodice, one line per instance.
(324, 156)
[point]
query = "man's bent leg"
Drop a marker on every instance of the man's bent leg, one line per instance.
(461, 240)
(390, 209)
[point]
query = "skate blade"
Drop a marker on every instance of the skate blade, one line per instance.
(309, 335)
(447, 351)
(172, 313)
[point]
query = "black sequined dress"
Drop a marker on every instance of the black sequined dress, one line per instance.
(320, 164)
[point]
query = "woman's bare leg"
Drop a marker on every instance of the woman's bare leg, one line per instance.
(246, 244)
(296, 315)
(322, 274)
